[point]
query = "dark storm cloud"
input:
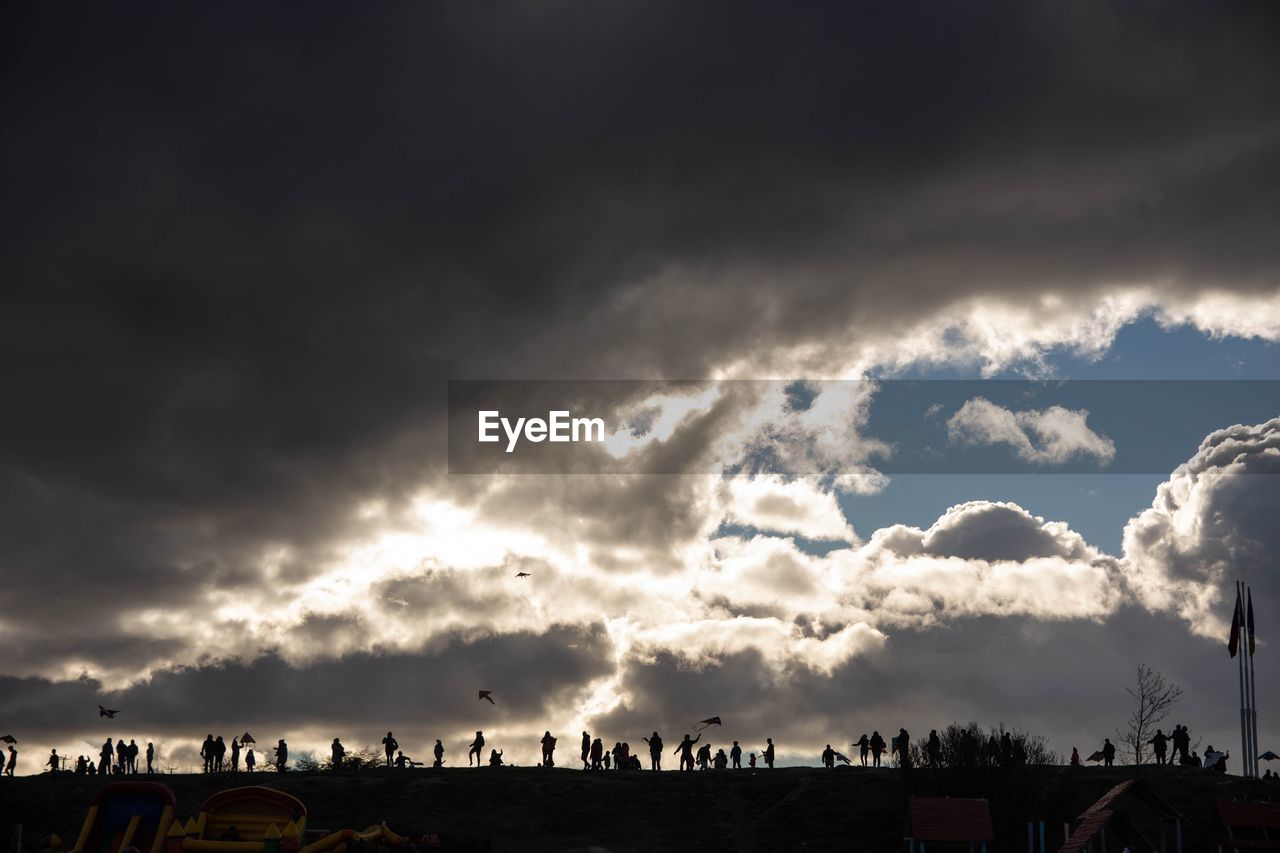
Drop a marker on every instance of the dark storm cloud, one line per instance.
(528, 673)
(1065, 680)
(245, 248)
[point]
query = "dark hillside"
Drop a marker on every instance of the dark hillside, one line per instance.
(533, 809)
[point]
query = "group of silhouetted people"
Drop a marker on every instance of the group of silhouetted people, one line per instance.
(213, 754)
(595, 757)
(968, 750)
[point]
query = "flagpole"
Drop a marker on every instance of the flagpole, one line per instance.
(1238, 628)
(1253, 689)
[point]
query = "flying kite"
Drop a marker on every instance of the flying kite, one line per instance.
(523, 575)
(9, 739)
(1097, 756)
(702, 724)
(484, 694)
(1269, 756)
(248, 738)
(106, 712)
(840, 756)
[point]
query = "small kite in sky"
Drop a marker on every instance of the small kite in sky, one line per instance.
(248, 738)
(9, 739)
(702, 724)
(484, 694)
(523, 575)
(106, 712)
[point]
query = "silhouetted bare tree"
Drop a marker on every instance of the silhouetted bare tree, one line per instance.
(1155, 695)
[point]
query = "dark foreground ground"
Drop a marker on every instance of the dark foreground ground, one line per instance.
(534, 809)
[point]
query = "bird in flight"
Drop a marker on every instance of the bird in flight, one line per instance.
(485, 694)
(106, 712)
(523, 575)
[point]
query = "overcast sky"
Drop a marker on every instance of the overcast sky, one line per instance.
(245, 249)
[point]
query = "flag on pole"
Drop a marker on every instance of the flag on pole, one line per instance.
(1237, 619)
(1249, 622)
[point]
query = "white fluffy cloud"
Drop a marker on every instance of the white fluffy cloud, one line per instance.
(1049, 436)
(1211, 523)
(769, 502)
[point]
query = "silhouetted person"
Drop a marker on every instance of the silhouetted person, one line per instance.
(249, 760)
(993, 751)
(477, 746)
(131, 755)
(282, 755)
(606, 760)
(404, 762)
(389, 746)
(151, 756)
(597, 754)
(1006, 750)
(548, 750)
(495, 758)
(828, 757)
(82, 766)
(751, 761)
(624, 757)
(1075, 757)
(721, 761)
(864, 748)
(655, 751)
(768, 753)
(53, 762)
(877, 748)
(1181, 742)
(219, 753)
(338, 754)
(685, 751)
(1160, 743)
(735, 754)
(235, 754)
(704, 756)
(122, 756)
(1108, 752)
(586, 751)
(902, 743)
(439, 753)
(104, 758)
(1019, 753)
(92, 768)
(206, 753)
(13, 761)
(933, 749)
